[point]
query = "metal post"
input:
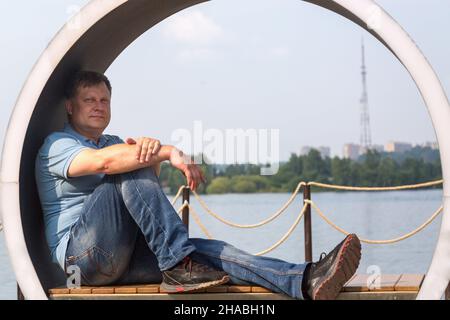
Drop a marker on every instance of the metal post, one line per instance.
(308, 231)
(185, 214)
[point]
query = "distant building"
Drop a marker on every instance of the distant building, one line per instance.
(377, 147)
(324, 151)
(351, 151)
(393, 146)
(374, 147)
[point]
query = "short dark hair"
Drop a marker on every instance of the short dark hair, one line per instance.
(85, 78)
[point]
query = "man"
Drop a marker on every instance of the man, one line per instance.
(106, 214)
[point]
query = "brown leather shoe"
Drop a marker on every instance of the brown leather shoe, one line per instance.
(189, 275)
(327, 276)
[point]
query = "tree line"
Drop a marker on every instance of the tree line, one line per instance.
(372, 169)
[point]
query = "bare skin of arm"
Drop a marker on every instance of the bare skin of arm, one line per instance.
(121, 158)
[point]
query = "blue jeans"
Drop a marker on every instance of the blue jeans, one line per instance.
(129, 233)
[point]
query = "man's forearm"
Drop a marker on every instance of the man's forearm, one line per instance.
(121, 158)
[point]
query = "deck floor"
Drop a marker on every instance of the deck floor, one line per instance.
(359, 287)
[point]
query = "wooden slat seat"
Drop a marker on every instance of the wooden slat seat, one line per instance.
(359, 287)
(153, 291)
(382, 287)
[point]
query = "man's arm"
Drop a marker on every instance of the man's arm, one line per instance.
(157, 168)
(118, 158)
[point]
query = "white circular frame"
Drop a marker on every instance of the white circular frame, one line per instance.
(365, 13)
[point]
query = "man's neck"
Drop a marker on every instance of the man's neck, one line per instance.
(93, 135)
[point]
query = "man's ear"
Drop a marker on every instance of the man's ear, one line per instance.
(69, 107)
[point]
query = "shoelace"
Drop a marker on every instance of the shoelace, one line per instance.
(188, 265)
(322, 256)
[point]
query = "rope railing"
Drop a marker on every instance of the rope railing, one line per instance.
(349, 188)
(248, 226)
(286, 235)
(175, 198)
(271, 248)
(408, 235)
(185, 204)
(307, 204)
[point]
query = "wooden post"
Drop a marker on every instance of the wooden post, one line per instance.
(185, 214)
(308, 229)
(19, 294)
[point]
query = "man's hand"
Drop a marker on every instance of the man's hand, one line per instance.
(192, 172)
(145, 148)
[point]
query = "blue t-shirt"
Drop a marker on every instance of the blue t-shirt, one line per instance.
(62, 197)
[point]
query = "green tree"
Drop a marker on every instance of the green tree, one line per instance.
(370, 166)
(315, 168)
(341, 171)
(175, 180)
(219, 185)
(244, 186)
(387, 173)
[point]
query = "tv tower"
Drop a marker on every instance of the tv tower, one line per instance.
(366, 140)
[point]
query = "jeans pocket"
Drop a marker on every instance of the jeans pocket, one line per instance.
(96, 266)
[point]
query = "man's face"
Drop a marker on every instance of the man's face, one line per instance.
(90, 109)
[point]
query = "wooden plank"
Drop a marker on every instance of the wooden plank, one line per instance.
(241, 289)
(378, 295)
(256, 289)
(409, 282)
(148, 288)
(359, 283)
(384, 282)
(125, 290)
(81, 290)
(184, 296)
(102, 290)
(59, 291)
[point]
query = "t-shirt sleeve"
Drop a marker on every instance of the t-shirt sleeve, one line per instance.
(58, 152)
(114, 140)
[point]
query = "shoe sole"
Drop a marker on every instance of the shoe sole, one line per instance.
(348, 262)
(192, 287)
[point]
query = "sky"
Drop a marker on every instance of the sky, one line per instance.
(249, 64)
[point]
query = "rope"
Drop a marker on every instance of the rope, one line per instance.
(306, 203)
(199, 223)
(177, 195)
(288, 233)
(410, 234)
(1, 226)
(185, 204)
(411, 186)
(280, 211)
(271, 248)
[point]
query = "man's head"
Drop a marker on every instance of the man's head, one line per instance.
(88, 97)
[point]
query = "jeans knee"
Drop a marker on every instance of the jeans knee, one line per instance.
(147, 174)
